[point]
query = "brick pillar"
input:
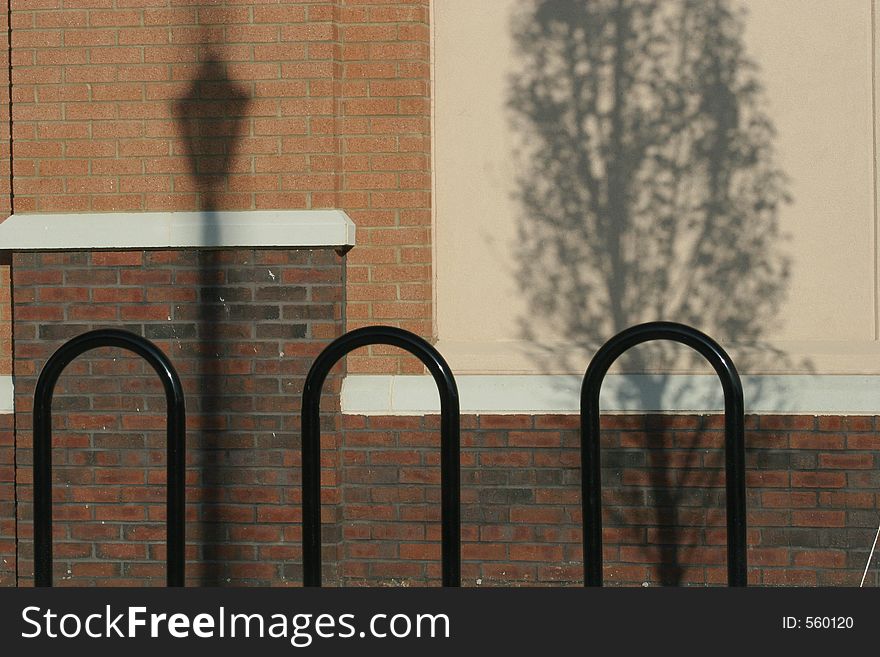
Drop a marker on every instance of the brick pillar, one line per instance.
(242, 327)
(385, 140)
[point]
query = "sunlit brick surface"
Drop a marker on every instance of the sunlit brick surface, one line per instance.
(288, 104)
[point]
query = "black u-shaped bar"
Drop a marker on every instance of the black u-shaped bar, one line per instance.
(176, 431)
(734, 442)
(450, 460)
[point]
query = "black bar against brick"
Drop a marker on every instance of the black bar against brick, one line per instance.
(734, 442)
(450, 460)
(176, 431)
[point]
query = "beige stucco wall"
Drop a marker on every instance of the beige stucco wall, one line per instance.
(814, 63)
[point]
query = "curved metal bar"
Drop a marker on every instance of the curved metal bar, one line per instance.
(449, 445)
(734, 442)
(176, 431)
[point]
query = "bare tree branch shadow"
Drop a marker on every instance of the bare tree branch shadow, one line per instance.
(648, 190)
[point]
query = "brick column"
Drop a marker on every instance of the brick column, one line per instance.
(242, 327)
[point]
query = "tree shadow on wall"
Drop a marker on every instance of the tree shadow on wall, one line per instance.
(648, 191)
(211, 119)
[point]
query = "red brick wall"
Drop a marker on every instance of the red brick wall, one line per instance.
(5, 208)
(385, 145)
(241, 327)
(5, 198)
(100, 90)
(292, 105)
(812, 491)
(812, 500)
(332, 110)
(8, 530)
(299, 104)
(7, 477)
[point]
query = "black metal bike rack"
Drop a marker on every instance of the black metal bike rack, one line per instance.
(176, 431)
(734, 442)
(450, 460)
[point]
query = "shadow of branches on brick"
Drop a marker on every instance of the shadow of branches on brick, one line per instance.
(648, 191)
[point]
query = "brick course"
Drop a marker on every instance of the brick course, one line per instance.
(812, 486)
(8, 529)
(241, 327)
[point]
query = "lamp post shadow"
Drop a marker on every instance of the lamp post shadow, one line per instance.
(211, 117)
